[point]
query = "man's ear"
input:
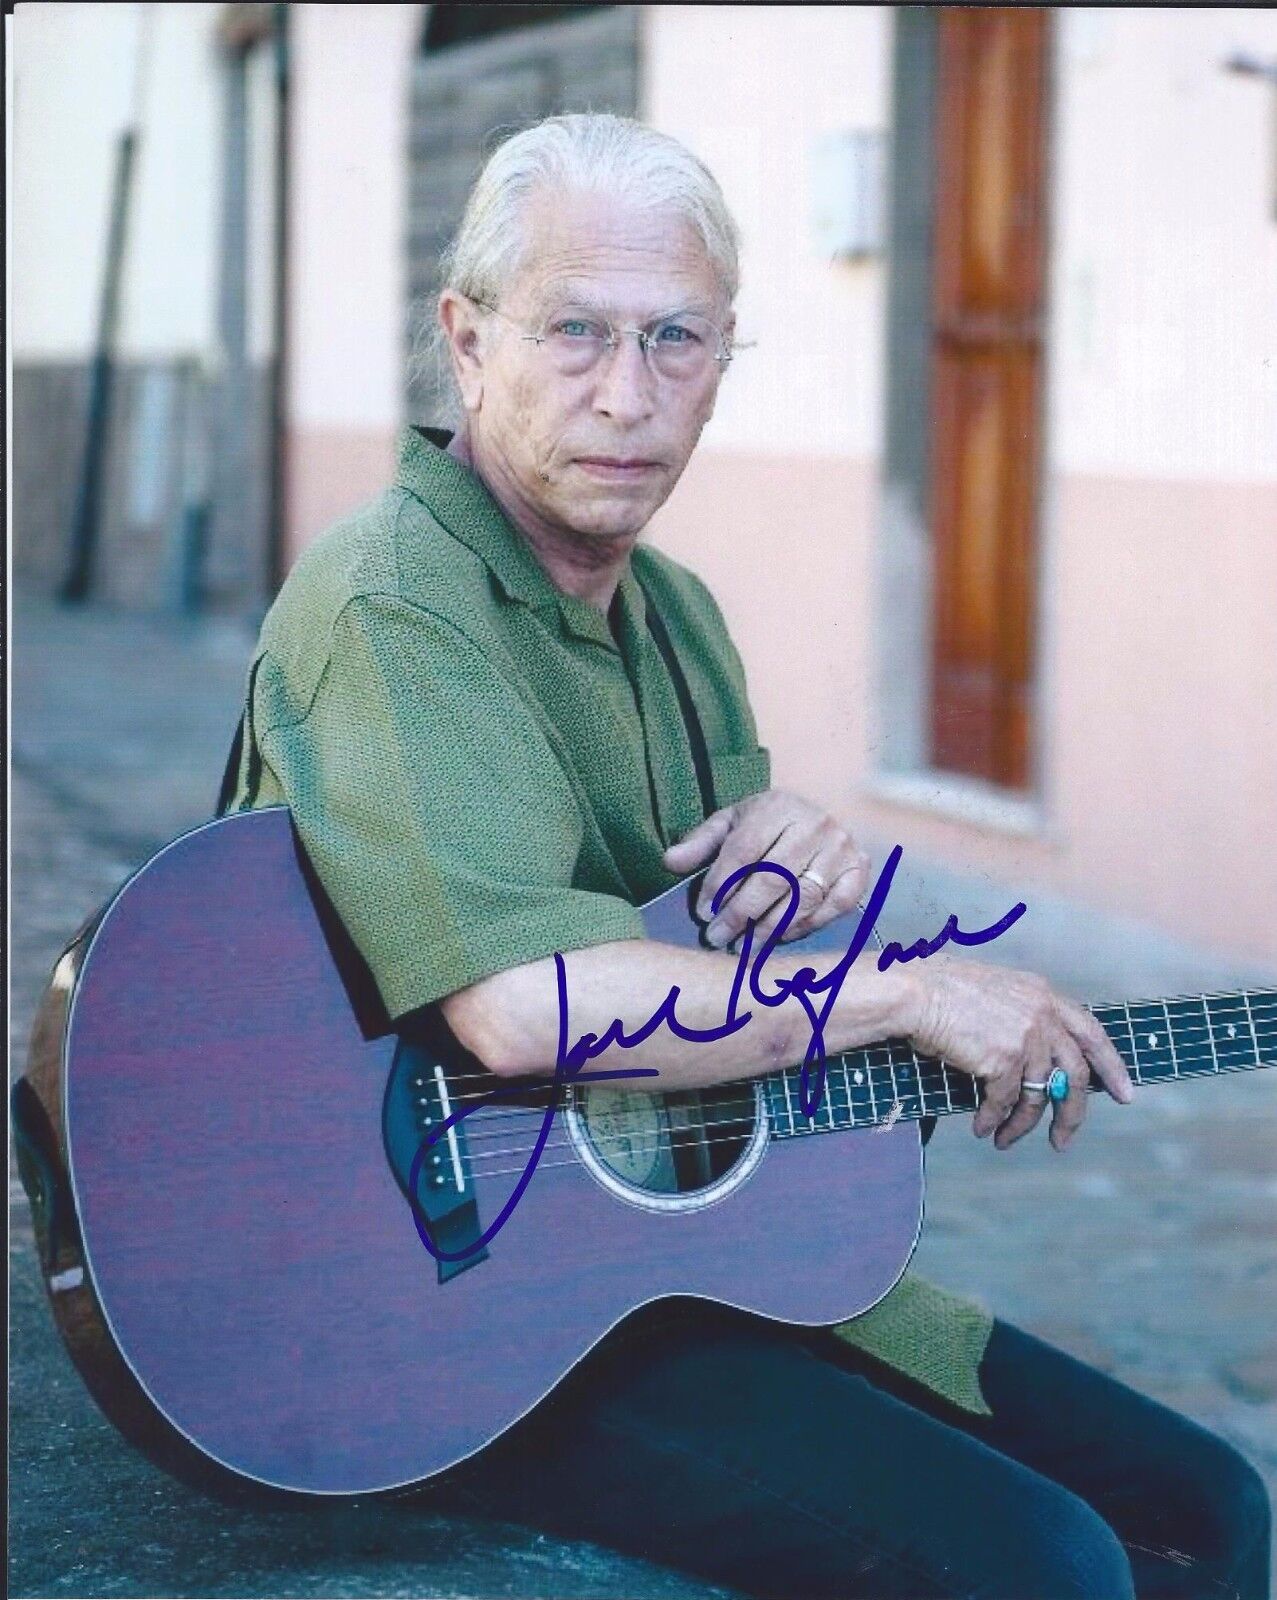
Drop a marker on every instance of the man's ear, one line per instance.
(459, 320)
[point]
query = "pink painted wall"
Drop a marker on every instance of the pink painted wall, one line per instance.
(348, 274)
(1159, 725)
(1157, 720)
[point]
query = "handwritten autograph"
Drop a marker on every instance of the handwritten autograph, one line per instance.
(806, 984)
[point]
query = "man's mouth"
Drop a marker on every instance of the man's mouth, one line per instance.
(617, 467)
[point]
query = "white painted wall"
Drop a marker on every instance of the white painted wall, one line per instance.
(749, 89)
(1162, 350)
(1163, 342)
(350, 143)
(1157, 627)
(74, 75)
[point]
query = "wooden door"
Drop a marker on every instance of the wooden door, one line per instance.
(986, 386)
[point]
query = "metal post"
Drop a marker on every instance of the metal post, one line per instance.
(275, 540)
(88, 505)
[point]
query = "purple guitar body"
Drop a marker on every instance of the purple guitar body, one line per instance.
(246, 1240)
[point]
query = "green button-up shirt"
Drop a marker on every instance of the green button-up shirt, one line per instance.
(484, 770)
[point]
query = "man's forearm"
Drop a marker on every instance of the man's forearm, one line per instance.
(511, 1020)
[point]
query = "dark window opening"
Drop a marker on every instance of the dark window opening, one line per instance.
(447, 25)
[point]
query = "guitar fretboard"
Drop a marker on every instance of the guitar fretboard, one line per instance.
(1161, 1041)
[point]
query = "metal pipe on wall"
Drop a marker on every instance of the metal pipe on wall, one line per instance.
(89, 489)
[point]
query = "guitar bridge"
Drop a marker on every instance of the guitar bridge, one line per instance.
(417, 1106)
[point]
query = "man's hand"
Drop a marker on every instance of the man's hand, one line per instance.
(781, 827)
(1004, 1027)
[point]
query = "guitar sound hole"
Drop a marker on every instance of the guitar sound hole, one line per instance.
(669, 1144)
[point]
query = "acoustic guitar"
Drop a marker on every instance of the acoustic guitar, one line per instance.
(234, 1161)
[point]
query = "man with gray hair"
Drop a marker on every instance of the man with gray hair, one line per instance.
(501, 723)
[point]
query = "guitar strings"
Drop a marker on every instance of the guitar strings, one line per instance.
(1260, 997)
(552, 1166)
(880, 1086)
(944, 1077)
(869, 1095)
(801, 1125)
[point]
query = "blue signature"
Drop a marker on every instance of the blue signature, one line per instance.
(805, 984)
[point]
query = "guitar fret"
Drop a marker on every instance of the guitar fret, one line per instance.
(860, 1093)
(1191, 1035)
(1250, 1021)
(1210, 1038)
(1136, 1069)
(1117, 1024)
(905, 1071)
(789, 1104)
(833, 1094)
(804, 1097)
(774, 1103)
(1170, 1034)
(1267, 1047)
(827, 1097)
(1230, 1025)
(776, 1090)
(846, 1080)
(895, 1087)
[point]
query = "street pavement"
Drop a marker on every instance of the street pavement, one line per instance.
(1149, 1248)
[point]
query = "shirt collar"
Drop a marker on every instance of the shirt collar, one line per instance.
(458, 499)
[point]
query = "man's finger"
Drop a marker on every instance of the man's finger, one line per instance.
(758, 895)
(1066, 1118)
(750, 840)
(1099, 1050)
(998, 1095)
(694, 849)
(1025, 1116)
(842, 895)
(810, 898)
(760, 892)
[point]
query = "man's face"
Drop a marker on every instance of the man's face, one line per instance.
(593, 454)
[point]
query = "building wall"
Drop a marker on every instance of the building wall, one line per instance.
(1158, 667)
(463, 97)
(81, 74)
(347, 256)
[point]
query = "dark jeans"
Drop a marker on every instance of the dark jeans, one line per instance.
(780, 1462)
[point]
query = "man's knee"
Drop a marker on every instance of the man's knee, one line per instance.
(1066, 1551)
(1237, 1517)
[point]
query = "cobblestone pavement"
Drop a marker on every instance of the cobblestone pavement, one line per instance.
(1149, 1249)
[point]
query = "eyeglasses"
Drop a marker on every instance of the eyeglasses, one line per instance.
(681, 347)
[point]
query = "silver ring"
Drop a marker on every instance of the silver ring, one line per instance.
(815, 878)
(1056, 1088)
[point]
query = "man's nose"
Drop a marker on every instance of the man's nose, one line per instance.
(626, 385)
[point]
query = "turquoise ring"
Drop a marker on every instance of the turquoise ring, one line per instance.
(1055, 1088)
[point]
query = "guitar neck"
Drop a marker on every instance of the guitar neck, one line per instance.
(1161, 1041)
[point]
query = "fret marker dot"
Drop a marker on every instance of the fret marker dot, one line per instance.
(1231, 1030)
(1152, 1040)
(857, 1076)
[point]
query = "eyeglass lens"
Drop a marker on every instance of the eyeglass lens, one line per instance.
(679, 347)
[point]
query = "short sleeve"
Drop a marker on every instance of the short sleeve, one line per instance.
(434, 809)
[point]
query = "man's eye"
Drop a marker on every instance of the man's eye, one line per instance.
(676, 333)
(577, 328)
